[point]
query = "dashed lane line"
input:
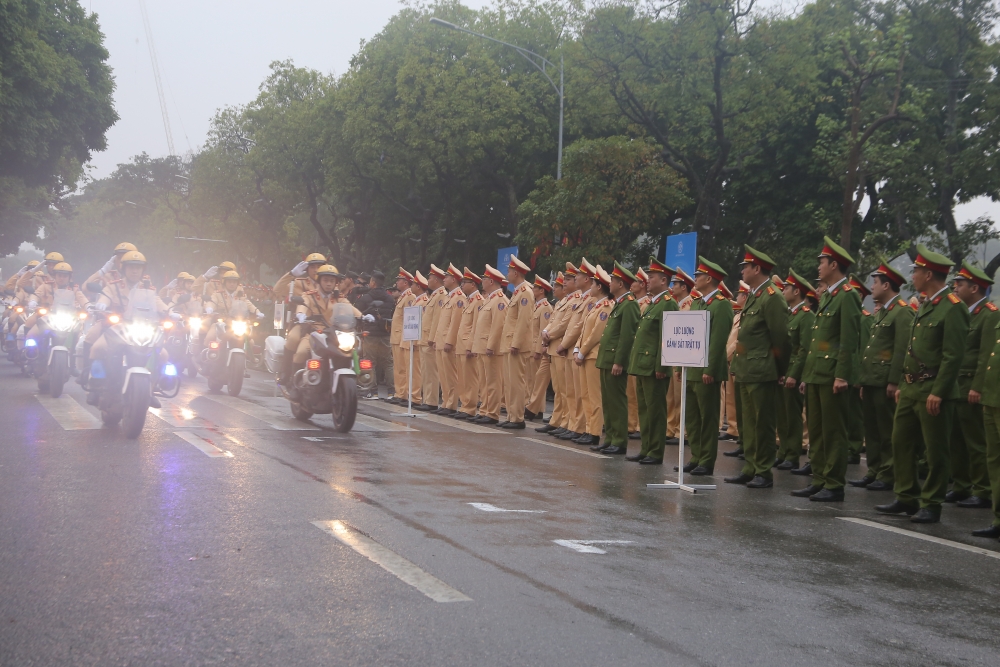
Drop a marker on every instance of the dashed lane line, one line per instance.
(487, 507)
(392, 562)
(68, 413)
(178, 415)
(273, 418)
(206, 445)
(587, 546)
(921, 536)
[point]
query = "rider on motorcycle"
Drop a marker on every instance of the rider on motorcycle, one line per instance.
(111, 270)
(316, 304)
(62, 274)
(222, 302)
(209, 282)
(182, 284)
(114, 297)
(19, 298)
(301, 279)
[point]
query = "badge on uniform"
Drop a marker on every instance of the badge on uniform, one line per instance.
(604, 316)
(546, 315)
(440, 302)
(524, 302)
(500, 306)
(590, 306)
(460, 305)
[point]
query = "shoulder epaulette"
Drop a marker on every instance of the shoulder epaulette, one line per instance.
(990, 306)
(865, 312)
(902, 303)
(632, 298)
(770, 290)
(847, 287)
(953, 298)
(806, 308)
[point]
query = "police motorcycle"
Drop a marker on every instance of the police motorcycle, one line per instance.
(125, 380)
(11, 345)
(224, 360)
(327, 383)
(52, 354)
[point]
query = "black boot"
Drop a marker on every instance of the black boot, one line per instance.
(287, 369)
(85, 373)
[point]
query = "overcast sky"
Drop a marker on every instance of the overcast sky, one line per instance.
(214, 54)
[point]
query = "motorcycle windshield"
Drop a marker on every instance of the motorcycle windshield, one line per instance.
(142, 305)
(63, 299)
(240, 310)
(342, 317)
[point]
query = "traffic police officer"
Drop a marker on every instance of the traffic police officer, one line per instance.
(542, 369)
(517, 342)
(400, 354)
(468, 364)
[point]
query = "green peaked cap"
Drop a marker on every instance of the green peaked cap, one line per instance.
(712, 265)
(834, 251)
(887, 271)
(755, 256)
(975, 271)
(623, 273)
(800, 282)
(926, 258)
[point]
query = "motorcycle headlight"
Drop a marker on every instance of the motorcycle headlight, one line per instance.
(238, 327)
(140, 333)
(345, 341)
(62, 321)
(194, 323)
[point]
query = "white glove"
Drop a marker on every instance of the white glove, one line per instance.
(300, 269)
(300, 317)
(209, 309)
(260, 315)
(368, 318)
(175, 317)
(172, 284)
(32, 305)
(100, 305)
(211, 273)
(23, 270)
(108, 266)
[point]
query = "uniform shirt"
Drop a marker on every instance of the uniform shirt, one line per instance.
(938, 336)
(467, 323)
(983, 318)
(579, 308)
(404, 301)
(222, 303)
(451, 314)
(45, 295)
(318, 303)
(539, 320)
(560, 320)
(720, 322)
(432, 312)
(645, 355)
(762, 341)
(286, 287)
(836, 336)
(991, 383)
(619, 334)
(594, 325)
(489, 323)
(115, 297)
(644, 302)
(517, 325)
(422, 302)
(885, 350)
(800, 324)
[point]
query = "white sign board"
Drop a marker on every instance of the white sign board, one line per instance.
(684, 338)
(411, 322)
(279, 315)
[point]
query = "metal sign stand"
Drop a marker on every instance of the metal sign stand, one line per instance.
(679, 484)
(409, 393)
(412, 316)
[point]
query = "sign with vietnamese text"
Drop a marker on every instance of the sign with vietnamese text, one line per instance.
(682, 252)
(411, 322)
(684, 338)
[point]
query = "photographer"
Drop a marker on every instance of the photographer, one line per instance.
(377, 306)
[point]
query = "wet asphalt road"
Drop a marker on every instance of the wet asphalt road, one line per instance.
(150, 552)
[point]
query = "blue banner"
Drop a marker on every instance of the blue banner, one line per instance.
(503, 261)
(682, 252)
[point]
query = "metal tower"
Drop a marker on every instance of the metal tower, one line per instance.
(156, 76)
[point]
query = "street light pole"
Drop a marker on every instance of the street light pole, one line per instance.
(530, 57)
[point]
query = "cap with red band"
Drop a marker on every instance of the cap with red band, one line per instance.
(405, 275)
(974, 274)
(758, 258)
(559, 279)
(778, 282)
(641, 275)
(859, 285)
(436, 271)
(623, 274)
(543, 283)
(684, 277)
(926, 259)
(571, 270)
(419, 279)
(602, 276)
(587, 268)
(726, 292)
(469, 275)
(494, 275)
(518, 265)
(836, 253)
(453, 270)
(656, 266)
(711, 269)
(892, 275)
(800, 283)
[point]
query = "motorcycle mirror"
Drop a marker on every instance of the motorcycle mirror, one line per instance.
(297, 300)
(94, 287)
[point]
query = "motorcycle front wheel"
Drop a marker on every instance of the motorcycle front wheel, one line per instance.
(58, 372)
(236, 371)
(135, 405)
(345, 404)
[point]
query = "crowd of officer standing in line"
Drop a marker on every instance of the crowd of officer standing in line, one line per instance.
(913, 385)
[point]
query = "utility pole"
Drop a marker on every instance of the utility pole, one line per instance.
(156, 76)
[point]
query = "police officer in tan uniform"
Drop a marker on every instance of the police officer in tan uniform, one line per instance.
(400, 354)
(517, 342)
(471, 382)
(542, 365)
(585, 357)
(489, 327)
(447, 330)
(436, 300)
(580, 305)
(551, 337)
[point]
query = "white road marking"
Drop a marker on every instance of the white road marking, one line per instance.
(389, 560)
(585, 452)
(179, 416)
(585, 546)
(486, 507)
(204, 444)
(273, 418)
(921, 536)
(71, 415)
(460, 424)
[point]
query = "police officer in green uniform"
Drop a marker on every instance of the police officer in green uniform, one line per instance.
(856, 423)
(703, 386)
(800, 323)
(990, 400)
(970, 480)
(926, 400)
(761, 358)
(881, 372)
(830, 372)
(651, 377)
(612, 358)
